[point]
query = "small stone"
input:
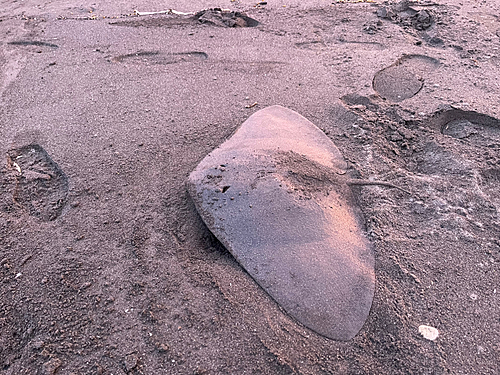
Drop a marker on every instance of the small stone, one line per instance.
(473, 296)
(461, 211)
(162, 348)
(428, 332)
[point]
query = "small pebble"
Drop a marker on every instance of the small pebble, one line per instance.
(428, 332)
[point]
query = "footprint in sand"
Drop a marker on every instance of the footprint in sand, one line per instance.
(41, 186)
(35, 43)
(471, 126)
(162, 58)
(213, 17)
(405, 78)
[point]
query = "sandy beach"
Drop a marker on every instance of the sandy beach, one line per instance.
(110, 270)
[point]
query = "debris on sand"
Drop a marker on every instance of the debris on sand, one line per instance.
(168, 11)
(404, 15)
(172, 18)
(225, 18)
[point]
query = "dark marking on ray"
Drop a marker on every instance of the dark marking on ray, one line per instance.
(276, 196)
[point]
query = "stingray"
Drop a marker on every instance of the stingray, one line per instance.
(277, 196)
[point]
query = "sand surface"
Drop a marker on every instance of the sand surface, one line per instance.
(105, 266)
